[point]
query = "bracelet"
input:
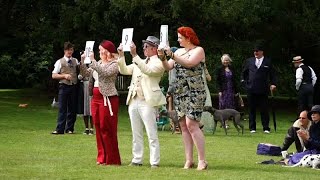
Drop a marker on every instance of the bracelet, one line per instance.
(172, 55)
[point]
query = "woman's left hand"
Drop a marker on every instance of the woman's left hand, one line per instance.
(161, 53)
(167, 50)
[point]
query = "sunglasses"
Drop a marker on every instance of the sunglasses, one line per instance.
(145, 46)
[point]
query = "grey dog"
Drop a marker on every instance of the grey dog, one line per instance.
(223, 115)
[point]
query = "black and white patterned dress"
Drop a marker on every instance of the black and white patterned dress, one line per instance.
(189, 90)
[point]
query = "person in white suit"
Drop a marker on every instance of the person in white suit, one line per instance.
(144, 97)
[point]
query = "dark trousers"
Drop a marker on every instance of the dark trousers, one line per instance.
(305, 97)
(261, 101)
(67, 108)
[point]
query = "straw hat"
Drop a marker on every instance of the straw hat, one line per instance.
(297, 59)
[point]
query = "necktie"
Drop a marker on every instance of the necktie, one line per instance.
(70, 62)
(147, 60)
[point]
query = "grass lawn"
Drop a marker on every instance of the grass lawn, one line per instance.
(29, 151)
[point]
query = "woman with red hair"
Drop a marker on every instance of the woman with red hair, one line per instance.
(105, 104)
(189, 92)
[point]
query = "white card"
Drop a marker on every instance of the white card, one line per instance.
(88, 49)
(164, 35)
(127, 34)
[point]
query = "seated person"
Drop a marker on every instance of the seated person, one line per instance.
(302, 123)
(311, 139)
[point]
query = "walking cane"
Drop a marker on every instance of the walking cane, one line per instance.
(273, 112)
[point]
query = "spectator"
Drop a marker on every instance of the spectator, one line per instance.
(311, 139)
(305, 81)
(65, 70)
(302, 123)
(226, 84)
(257, 74)
(86, 97)
(206, 122)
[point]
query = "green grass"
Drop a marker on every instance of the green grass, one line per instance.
(29, 151)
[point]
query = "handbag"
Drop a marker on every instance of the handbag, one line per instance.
(268, 149)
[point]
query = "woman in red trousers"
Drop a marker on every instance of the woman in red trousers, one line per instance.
(105, 104)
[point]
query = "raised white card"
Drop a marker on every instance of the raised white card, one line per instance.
(127, 35)
(164, 35)
(88, 49)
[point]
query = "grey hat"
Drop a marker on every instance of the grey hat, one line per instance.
(152, 40)
(315, 108)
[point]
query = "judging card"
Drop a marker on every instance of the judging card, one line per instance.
(88, 49)
(164, 35)
(127, 34)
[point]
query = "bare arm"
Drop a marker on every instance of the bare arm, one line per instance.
(61, 76)
(196, 57)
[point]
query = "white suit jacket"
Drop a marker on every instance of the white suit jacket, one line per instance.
(151, 74)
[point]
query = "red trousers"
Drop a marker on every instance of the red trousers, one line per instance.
(106, 128)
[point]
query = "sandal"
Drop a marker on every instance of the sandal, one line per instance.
(188, 165)
(205, 167)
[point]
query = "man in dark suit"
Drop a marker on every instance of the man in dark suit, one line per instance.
(258, 76)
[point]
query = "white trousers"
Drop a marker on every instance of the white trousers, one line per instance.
(143, 114)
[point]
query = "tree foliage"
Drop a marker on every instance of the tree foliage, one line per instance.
(33, 32)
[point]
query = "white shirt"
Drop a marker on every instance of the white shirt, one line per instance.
(259, 62)
(57, 65)
(96, 79)
(299, 75)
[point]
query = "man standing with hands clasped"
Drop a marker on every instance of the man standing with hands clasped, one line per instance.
(65, 70)
(144, 97)
(305, 81)
(259, 78)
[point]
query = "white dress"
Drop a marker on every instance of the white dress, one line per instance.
(207, 118)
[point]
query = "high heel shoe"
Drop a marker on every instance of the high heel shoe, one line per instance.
(188, 165)
(205, 167)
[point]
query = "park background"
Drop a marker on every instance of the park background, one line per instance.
(32, 33)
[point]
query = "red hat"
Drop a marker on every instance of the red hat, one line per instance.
(108, 45)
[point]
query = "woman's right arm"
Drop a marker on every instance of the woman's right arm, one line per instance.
(84, 70)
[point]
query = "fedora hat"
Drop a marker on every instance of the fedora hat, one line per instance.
(314, 109)
(152, 40)
(297, 59)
